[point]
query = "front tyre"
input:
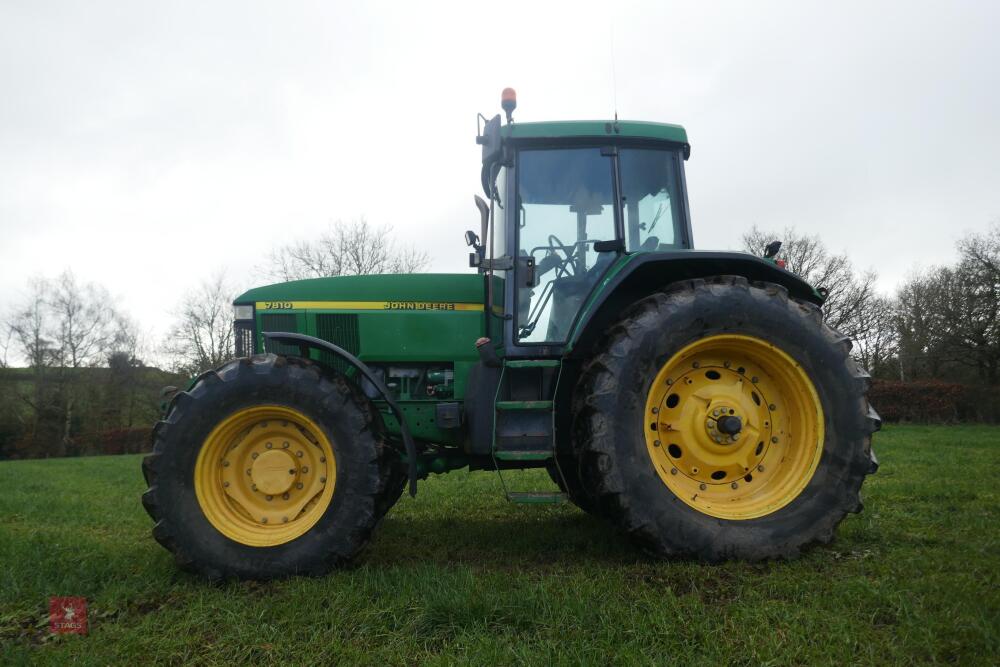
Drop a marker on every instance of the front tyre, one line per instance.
(265, 468)
(724, 420)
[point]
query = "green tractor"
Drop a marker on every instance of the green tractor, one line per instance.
(694, 399)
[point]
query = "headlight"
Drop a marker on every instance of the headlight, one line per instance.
(243, 312)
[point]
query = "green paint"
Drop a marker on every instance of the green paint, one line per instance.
(532, 363)
(434, 287)
(524, 405)
(506, 455)
(536, 497)
(596, 128)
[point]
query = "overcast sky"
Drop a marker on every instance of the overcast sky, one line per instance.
(145, 145)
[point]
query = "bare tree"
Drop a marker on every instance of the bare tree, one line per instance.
(5, 339)
(346, 249)
(969, 305)
(853, 305)
(202, 337)
(84, 321)
(30, 324)
(948, 318)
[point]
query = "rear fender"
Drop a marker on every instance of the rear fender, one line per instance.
(638, 275)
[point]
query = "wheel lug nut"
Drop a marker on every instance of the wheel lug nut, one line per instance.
(299, 485)
(253, 486)
(655, 410)
(322, 480)
(254, 455)
(225, 464)
(772, 406)
(284, 445)
(774, 438)
(248, 471)
(656, 443)
(269, 498)
(696, 365)
(225, 484)
(726, 364)
(760, 468)
(284, 519)
(734, 485)
(263, 519)
(305, 469)
(715, 413)
(291, 471)
(702, 486)
(669, 382)
(269, 445)
(673, 471)
(284, 496)
(299, 453)
(754, 379)
(322, 459)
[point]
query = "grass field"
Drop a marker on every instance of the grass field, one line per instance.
(457, 575)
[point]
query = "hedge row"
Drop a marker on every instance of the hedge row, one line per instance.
(933, 402)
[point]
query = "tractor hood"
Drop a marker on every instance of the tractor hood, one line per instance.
(406, 291)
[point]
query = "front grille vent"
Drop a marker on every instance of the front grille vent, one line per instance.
(279, 322)
(341, 330)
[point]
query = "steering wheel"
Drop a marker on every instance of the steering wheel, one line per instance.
(566, 264)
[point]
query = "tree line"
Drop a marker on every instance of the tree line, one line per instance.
(87, 376)
(78, 376)
(941, 324)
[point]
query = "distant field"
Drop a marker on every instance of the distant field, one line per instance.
(459, 575)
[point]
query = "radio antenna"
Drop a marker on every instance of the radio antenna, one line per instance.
(614, 76)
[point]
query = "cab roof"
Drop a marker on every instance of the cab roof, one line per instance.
(566, 129)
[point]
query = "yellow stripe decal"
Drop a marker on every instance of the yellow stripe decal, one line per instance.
(367, 305)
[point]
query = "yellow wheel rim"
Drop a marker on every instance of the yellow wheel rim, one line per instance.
(265, 475)
(734, 426)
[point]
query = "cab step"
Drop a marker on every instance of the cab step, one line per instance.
(524, 405)
(524, 455)
(532, 363)
(536, 497)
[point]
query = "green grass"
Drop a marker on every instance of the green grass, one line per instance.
(457, 575)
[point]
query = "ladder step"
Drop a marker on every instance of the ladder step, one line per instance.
(524, 455)
(524, 405)
(536, 497)
(532, 363)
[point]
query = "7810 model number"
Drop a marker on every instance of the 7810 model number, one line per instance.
(277, 305)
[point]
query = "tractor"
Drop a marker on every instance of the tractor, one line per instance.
(694, 399)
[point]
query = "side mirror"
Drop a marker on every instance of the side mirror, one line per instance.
(471, 239)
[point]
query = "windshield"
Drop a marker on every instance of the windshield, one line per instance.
(565, 204)
(651, 199)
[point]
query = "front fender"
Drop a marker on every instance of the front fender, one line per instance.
(305, 343)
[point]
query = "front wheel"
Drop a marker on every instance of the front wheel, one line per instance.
(724, 420)
(265, 468)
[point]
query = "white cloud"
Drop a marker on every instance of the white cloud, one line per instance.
(146, 145)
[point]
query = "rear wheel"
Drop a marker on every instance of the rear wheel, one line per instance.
(724, 420)
(267, 468)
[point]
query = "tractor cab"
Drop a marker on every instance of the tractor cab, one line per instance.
(567, 200)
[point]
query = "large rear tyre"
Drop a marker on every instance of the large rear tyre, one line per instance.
(267, 468)
(721, 419)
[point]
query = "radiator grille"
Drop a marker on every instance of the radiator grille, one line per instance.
(276, 322)
(341, 330)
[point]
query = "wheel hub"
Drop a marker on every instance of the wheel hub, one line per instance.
(274, 471)
(265, 475)
(730, 425)
(735, 426)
